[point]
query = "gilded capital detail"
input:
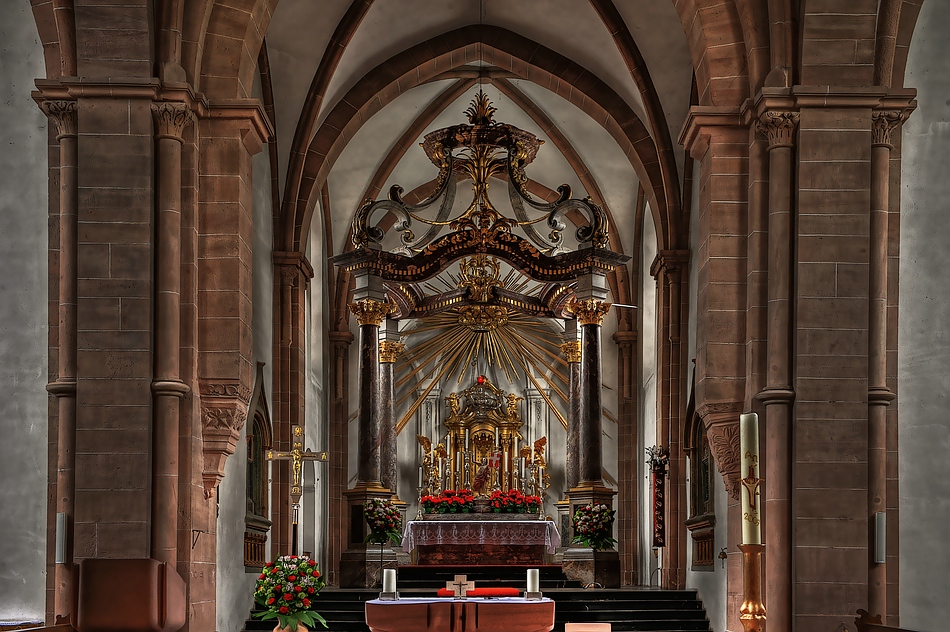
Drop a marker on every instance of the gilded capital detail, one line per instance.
(171, 118)
(390, 350)
(882, 123)
(371, 312)
(589, 311)
(571, 351)
(63, 115)
(778, 127)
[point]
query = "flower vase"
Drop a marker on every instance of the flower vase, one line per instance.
(300, 628)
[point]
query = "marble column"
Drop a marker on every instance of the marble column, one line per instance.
(779, 127)
(167, 387)
(572, 355)
(370, 314)
(389, 351)
(879, 396)
(64, 115)
(590, 316)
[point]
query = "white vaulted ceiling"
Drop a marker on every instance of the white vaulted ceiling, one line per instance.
(299, 38)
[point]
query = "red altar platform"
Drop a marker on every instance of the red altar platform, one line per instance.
(512, 614)
(473, 542)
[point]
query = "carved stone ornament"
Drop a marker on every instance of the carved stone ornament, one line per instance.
(223, 414)
(779, 127)
(589, 311)
(724, 445)
(171, 118)
(572, 351)
(882, 123)
(371, 312)
(63, 115)
(390, 350)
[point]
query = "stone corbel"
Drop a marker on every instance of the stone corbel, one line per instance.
(223, 413)
(721, 420)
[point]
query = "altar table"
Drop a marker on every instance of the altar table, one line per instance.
(512, 614)
(480, 541)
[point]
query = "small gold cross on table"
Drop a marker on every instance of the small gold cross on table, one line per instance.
(460, 586)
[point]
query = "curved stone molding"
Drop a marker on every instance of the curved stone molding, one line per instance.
(589, 311)
(171, 119)
(778, 127)
(371, 312)
(223, 413)
(173, 388)
(64, 116)
(883, 122)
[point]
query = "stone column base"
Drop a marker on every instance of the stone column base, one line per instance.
(592, 567)
(563, 522)
(361, 568)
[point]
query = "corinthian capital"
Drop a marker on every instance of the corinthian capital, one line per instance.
(63, 115)
(571, 351)
(171, 118)
(882, 122)
(371, 312)
(389, 350)
(778, 127)
(589, 311)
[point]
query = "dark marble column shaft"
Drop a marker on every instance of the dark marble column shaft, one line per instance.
(589, 435)
(388, 352)
(572, 355)
(369, 313)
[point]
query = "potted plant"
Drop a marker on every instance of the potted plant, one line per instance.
(384, 521)
(593, 526)
(449, 501)
(286, 589)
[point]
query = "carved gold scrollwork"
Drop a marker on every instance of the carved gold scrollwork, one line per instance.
(371, 312)
(571, 351)
(63, 115)
(778, 127)
(171, 118)
(589, 311)
(390, 350)
(882, 123)
(483, 317)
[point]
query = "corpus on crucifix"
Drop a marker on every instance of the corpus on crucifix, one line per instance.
(460, 586)
(297, 456)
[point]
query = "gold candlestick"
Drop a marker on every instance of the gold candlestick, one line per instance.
(752, 610)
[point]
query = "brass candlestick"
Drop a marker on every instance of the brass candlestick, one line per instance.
(752, 610)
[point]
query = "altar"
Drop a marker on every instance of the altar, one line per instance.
(514, 614)
(473, 542)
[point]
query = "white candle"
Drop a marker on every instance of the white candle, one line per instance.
(466, 439)
(420, 476)
(496, 437)
(749, 473)
(533, 581)
(389, 580)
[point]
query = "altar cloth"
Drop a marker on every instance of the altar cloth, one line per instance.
(470, 532)
(512, 614)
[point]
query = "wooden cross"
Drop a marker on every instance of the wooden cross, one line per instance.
(460, 586)
(297, 455)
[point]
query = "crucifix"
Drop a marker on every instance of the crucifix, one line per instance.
(460, 586)
(297, 456)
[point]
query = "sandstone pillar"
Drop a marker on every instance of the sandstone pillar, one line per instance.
(777, 396)
(879, 395)
(167, 387)
(63, 115)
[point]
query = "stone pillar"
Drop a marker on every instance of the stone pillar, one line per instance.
(167, 387)
(389, 350)
(879, 396)
(63, 115)
(370, 314)
(572, 355)
(779, 127)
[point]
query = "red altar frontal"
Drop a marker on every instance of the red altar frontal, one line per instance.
(471, 615)
(480, 542)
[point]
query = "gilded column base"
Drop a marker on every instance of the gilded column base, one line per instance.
(752, 610)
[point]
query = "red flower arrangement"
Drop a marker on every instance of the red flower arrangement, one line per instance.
(450, 501)
(513, 501)
(286, 588)
(385, 521)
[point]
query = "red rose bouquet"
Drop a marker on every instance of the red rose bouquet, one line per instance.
(287, 588)
(385, 521)
(594, 526)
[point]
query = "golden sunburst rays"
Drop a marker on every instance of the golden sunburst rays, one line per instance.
(442, 348)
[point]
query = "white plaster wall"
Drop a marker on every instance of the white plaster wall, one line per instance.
(924, 331)
(235, 586)
(711, 585)
(647, 395)
(23, 319)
